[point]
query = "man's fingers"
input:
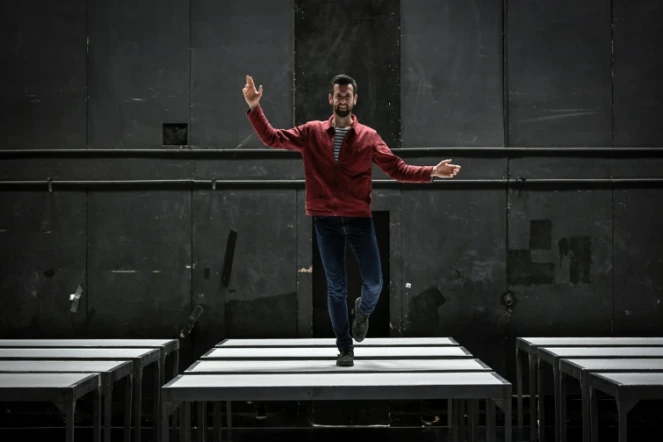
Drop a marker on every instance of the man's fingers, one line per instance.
(260, 90)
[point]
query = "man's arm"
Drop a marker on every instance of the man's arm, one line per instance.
(396, 168)
(291, 139)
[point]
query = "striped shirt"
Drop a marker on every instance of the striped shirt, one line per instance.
(339, 134)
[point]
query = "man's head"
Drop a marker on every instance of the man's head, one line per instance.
(342, 94)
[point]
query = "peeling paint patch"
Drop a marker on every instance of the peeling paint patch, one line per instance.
(124, 271)
(303, 270)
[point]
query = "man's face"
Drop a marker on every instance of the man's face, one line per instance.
(343, 99)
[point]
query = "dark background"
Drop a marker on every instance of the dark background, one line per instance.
(140, 92)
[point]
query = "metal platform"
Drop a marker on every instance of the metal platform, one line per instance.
(62, 388)
(627, 389)
(140, 358)
(331, 342)
(311, 353)
(299, 371)
(110, 372)
(530, 345)
(581, 368)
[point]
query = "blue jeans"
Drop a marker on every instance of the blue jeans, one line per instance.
(331, 233)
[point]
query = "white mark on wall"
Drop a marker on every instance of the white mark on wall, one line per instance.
(246, 140)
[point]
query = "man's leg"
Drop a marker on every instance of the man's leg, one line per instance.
(362, 238)
(331, 243)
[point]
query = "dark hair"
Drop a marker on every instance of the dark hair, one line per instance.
(342, 79)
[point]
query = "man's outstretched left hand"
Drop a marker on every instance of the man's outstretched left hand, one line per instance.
(445, 170)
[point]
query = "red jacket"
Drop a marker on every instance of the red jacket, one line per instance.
(340, 188)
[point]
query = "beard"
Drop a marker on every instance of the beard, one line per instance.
(343, 113)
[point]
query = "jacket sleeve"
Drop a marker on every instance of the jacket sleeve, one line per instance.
(396, 168)
(290, 139)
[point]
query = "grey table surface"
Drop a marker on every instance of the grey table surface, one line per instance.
(324, 380)
(325, 352)
(75, 353)
(633, 379)
(331, 342)
(41, 380)
(615, 364)
(567, 352)
(308, 366)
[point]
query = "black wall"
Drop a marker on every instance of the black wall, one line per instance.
(486, 261)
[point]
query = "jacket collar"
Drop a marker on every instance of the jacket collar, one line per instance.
(327, 125)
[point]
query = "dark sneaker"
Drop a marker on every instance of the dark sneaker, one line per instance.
(346, 358)
(360, 323)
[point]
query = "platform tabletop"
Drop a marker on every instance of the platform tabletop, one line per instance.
(308, 366)
(60, 366)
(326, 352)
(331, 342)
(324, 380)
(76, 353)
(579, 352)
(39, 380)
(168, 345)
(616, 364)
(632, 379)
(128, 343)
(531, 343)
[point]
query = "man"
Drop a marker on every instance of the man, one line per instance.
(337, 155)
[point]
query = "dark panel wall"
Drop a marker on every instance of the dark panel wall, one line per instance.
(456, 269)
(360, 39)
(638, 282)
(139, 262)
(559, 262)
(638, 69)
(43, 260)
(451, 73)
(43, 79)
(559, 73)
(138, 71)
(244, 267)
(230, 40)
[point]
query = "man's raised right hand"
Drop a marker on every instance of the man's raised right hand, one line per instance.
(251, 95)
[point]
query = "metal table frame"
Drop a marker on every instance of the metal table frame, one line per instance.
(626, 396)
(177, 397)
(67, 395)
(575, 369)
(529, 346)
(455, 409)
(547, 356)
(121, 370)
(150, 356)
